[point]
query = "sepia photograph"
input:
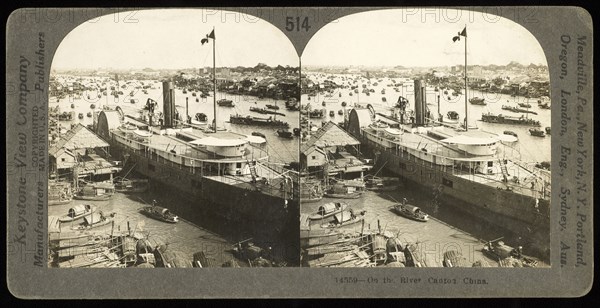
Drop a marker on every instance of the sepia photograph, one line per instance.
(425, 142)
(173, 142)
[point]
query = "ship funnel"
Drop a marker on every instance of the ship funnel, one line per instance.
(168, 104)
(420, 102)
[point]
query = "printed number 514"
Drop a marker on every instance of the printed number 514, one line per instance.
(293, 23)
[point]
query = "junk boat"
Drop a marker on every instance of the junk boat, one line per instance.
(477, 101)
(328, 210)
(472, 166)
(77, 212)
(536, 132)
(250, 120)
(410, 211)
(502, 119)
(159, 213)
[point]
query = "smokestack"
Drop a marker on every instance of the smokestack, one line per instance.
(420, 102)
(168, 104)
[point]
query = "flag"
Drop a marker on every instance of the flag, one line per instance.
(463, 33)
(211, 35)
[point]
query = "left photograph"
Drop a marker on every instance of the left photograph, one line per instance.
(174, 142)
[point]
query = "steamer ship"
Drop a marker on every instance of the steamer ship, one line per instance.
(469, 168)
(218, 172)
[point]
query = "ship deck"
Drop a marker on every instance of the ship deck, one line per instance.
(174, 145)
(521, 180)
(268, 181)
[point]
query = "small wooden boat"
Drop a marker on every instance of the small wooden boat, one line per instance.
(524, 105)
(548, 130)
(345, 218)
(328, 210)
(80, 116)
(274, 107)
(89, 114)
(92, 106)
(94, 220)
(77, 212)
(511, 133)
(331, 113)
(285, 134)
(258, 134)
(159, 213)
(477, 101)
(410, 211)
(225, 103)
(536, 132)
(341, 112)
(354, 195)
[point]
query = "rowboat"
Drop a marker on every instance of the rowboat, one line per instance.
(328, 210)
(410, 211)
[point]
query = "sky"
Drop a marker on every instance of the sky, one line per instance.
(170, 39)
(423, 39)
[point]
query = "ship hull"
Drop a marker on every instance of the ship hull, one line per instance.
(269, 219)
(514, 212)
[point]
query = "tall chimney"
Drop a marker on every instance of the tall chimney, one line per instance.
(167, 104)
(420, 102)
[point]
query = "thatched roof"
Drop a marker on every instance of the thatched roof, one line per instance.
(329, 135)
(79, 137)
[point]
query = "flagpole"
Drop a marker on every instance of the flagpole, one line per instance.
(214, 80)
(466, 111)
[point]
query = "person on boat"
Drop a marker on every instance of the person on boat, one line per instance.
(404, 201)
(154, 202)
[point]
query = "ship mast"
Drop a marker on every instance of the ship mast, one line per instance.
(466, 111)
(214, 80)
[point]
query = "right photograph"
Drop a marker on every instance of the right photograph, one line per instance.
(425, 142)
